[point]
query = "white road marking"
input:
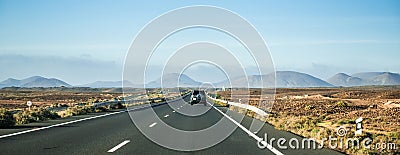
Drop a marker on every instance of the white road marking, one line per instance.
(178, 108)
(173, 111)
(250, 133)
(61, 124)
(115, 148)
(151, 125)
(246, 106)
(166, 116)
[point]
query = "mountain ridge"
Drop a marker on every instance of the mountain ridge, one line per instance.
(171, 80)
(283, 79)
(108, 84)
(342, 79)
(365, 79)
(34, 81)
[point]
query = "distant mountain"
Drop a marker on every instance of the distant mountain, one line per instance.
(107, 84)
(365, 78)
(287, 79)
(34, 81)
(249, 81)
(284, 79)
(342, 79)
(31, 79)
(171, 80)
(367, 75)
(385, 79)
(44, 82)
(11, 82)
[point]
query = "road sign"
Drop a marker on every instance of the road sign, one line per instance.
(29, 103)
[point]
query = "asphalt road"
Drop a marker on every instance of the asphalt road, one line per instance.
(115, 133)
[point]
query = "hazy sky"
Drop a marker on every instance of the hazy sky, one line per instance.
(85, 41)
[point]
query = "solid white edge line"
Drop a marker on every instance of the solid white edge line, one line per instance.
(249, 132)
(115, 148)
(61, 124)
(151, 125)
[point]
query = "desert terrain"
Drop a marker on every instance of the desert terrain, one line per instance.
(318, 112)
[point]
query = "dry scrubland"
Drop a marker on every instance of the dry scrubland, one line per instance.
(317, 112)
(58, 102)
(52, 103)
(10, 99)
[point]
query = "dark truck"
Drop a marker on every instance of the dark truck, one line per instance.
(196, 97)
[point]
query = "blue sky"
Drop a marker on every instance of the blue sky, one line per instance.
(86, 41)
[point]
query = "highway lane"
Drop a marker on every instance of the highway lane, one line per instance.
(100, 135)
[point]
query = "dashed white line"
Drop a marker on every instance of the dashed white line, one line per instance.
(249, 132)
(173, 111)
(166, 116)
(115, 148)
(178, 108)
(151, 125)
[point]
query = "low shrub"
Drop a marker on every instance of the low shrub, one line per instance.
(117, 106)
(78, 110)
(308, 107)
(6, 118)
(341, 104)
(34, 115)
(395, 135)
(22, 117)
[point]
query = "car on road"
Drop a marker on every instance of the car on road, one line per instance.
(195, 97)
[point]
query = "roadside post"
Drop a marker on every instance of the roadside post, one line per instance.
(358, 126)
